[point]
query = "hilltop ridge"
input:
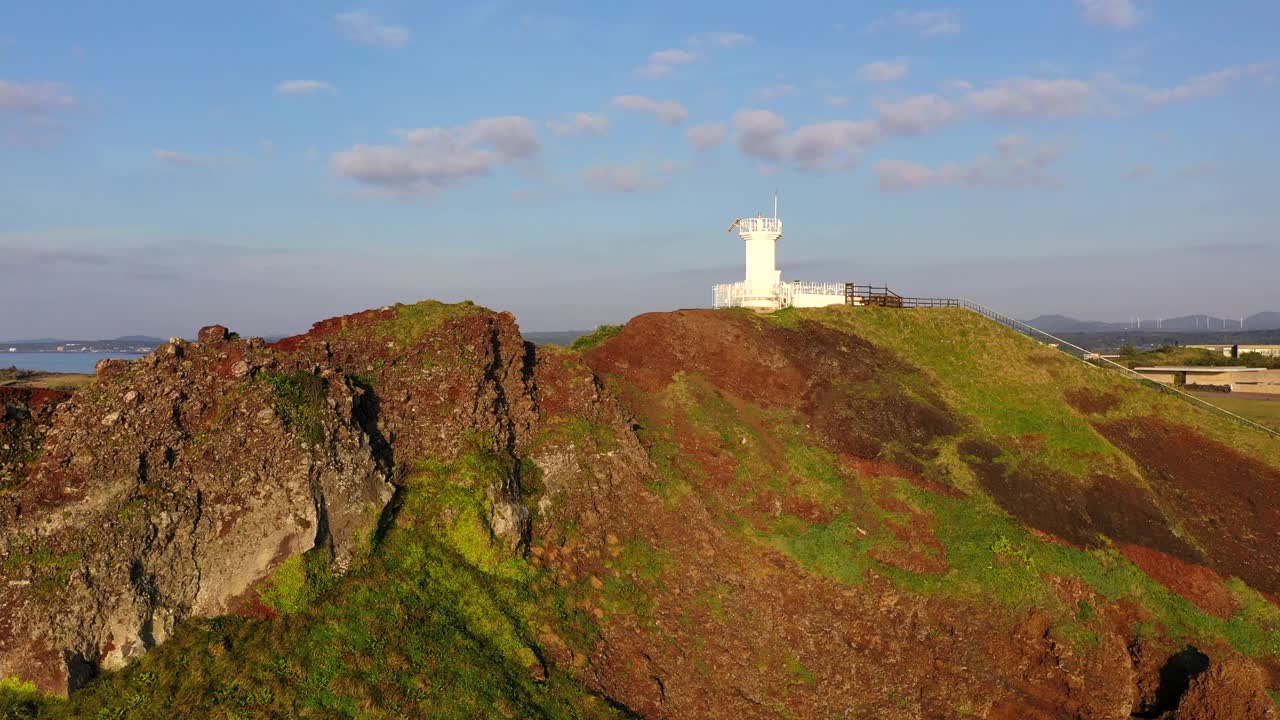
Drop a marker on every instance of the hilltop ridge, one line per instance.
(703, 514)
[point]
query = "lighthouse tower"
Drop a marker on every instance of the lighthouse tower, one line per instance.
(760, 237)
(763, 289)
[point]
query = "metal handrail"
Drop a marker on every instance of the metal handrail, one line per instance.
(1097, 361)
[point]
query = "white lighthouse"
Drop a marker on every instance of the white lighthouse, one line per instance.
(763, 289)
(760, 237)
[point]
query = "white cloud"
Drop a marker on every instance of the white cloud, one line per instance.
(760, 133)
(899, 175)
(722, 39)
(1028, 98)
(1014, 164)
(1139, 172)
(917, 115)
(304, 87)
(514, 137)
(621, 179)
(582, 123)
(1203, 86)
(34, 99)
(705, 137)
(664, 62)
(826, 145)
(1024, 98)
(179, 159)
(837, 100)
(927, 23)
(432, 159)
(883, 72)
(774, 92)
(821, 146)
(668, 112)
(764, 135)
(363, 27)
(1115, 14)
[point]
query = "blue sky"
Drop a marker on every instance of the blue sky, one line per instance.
(264, 165)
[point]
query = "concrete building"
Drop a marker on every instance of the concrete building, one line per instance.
(763, 288)
(1232, 351)
(1238, 379)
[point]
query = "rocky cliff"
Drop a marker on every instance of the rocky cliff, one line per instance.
(845, 512)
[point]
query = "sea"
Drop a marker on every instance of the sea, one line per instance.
(63, 362)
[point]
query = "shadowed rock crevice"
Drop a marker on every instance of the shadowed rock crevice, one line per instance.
(81, 668)
(368, 413)
(1175, 679)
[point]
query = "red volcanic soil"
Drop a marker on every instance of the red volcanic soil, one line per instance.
(1091, 402)
(1201, 586)
(840, 381)
(333, 325)
(1072, 509)
(31, 398)
(1228, 501)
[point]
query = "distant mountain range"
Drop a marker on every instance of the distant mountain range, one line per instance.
(1188, 323)
(126, 344)
(127, 339)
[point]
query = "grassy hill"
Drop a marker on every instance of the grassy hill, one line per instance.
(814, 513)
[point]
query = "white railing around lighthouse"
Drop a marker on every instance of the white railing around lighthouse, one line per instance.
(760, 224)
(740, 294)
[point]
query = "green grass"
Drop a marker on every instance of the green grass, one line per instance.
(801, 674)
(434, 622)
(996, 562)
(300, 402)
(49, 571)
(638, 573)
(594, 338)
(579, 431)
(298, 582)
(833, 549)
(64, 382)
(414, 322)
(993, 556)
(18, 699)
(1263, 412)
